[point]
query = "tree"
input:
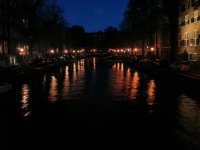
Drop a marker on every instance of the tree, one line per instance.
(42, 25)
(54, 26)
(110, 38)
(171, 8)
(77, 37)
(140, 21)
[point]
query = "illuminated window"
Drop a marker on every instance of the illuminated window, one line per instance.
(193, 56)
(186, 35)
(195, 34)
(195, 16)
(5, 44)
(187, 19)
(186, 39)
(195, 37)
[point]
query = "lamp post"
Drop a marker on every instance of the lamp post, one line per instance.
(152, 49)
(22, 54)
(135, 51)
(152, 52)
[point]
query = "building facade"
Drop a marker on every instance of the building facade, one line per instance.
(11, 35)
(189, 31)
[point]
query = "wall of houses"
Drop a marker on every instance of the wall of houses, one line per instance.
(11, 38)
(189, 31)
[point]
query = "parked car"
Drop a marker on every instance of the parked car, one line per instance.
(181, 66)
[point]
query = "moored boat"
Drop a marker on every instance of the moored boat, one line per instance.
(5, 87)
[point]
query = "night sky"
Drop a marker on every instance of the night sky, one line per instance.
(94, 15)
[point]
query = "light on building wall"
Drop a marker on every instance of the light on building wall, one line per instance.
(152, 49)
(21, 49)
(52, 51)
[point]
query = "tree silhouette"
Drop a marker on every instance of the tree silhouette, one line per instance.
(110, 38)
(140, 22)
(171, 8)
(77, 37)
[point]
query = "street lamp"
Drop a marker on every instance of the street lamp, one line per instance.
(22, 54)
(66, 51)
(52, 51)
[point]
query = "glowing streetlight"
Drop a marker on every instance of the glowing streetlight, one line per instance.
(52, 51)
(152, 49)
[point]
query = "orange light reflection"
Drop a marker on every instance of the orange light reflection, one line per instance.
(151, 93)
(53, 89)
(25, 100)
(94, 62)
(135, 85)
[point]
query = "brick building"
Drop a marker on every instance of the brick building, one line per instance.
(189, 31)
(11, 35)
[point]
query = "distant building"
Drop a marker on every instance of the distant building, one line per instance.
(11, 26)
(189, 31)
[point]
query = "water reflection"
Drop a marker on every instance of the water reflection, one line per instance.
(135, 86)
(73, 80)
(66, 84)
(94, 62)
(25, 92)
(84, 80)
(189, 120)
(53, 91)
(118, 66)
(151, 93)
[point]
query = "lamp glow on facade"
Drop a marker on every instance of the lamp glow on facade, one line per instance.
(152, 49)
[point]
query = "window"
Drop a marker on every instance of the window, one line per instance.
(195, 4)
(186, 41)
(187, 19)
(195, 16)
(193, 56)
(195, 34)
(179, 40)
(186, 36)
(187, 5)
(199, 38)
(1, 47)
(5, 44)
(179, 21)
(195, 37)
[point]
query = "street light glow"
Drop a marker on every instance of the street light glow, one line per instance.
(52, 51)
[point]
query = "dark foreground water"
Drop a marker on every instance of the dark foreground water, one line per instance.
(92, 104)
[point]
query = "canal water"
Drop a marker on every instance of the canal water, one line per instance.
(95, 104)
